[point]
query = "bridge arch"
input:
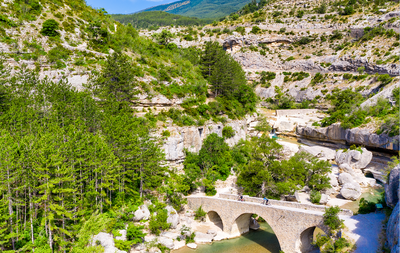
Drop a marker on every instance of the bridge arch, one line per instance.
(214, 217)
(242, 224)
(307, 236)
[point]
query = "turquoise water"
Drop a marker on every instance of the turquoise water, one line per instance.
(260, 241)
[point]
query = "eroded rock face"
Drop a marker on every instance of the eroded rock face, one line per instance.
(351, 191)
(393, 230)
(191, 138)
(336, 134)
(392, 190)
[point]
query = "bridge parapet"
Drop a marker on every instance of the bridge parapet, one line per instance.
(309, 207)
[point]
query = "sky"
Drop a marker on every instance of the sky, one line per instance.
(125, 6)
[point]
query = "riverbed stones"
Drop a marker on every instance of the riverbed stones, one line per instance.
(202, 237)
(192, 245)
(167, 242)
(142, 213)
(212, 232)
(392, 187)
(346, 168)
(351, 191)
(345, 178)
(324, 199)
(333, 181)
(319, 152)
(254, 224)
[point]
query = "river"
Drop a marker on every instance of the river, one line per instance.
(261, 241)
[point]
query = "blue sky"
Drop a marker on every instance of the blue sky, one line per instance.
(125, 6)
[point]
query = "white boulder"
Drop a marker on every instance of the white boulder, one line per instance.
(324, 199)
(107, 242)
(203, 238)
(169, 243)
(345, 178)
(351, 191)
(142, 213)
(192, 245)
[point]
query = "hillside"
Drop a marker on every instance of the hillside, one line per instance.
(153, 19)
(106, 128)
(201, 8)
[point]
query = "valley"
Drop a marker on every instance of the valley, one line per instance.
(155, 132)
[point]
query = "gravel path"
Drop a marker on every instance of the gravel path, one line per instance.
(365, 229)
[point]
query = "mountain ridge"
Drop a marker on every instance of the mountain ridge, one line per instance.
(200, 8)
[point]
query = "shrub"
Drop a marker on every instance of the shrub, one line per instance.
(321, 9)
(366, 206)
(267, 76)
(291, 58)
(228, 132)
(347, 76)
(300, 14)
(385, 79)
(123, 245)
(255, 29)
(166, 133)
(304, 41)
(49, 28)
(159, 222)
(200, 214)
(135, 233)
(331, 218)
(348, 10)
(315, 196)
(361, 70)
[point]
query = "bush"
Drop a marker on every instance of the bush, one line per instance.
(300, 14)
(304, 41)
(366, 206)
(123, 245)
(200, 214)
(255, 29)
(159, 222)
(348, 10)
(49, 28)
(315, 197)
(166, 133)
(228, 132)
(385, 79)
(331, 218)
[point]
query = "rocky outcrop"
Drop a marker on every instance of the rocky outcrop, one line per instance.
(392, 189)
(347, 64)
(107, 242)
(393, 230)
(254, 224)
(142, 213)
(173, 217)
(336, 134)
(191, 138)
(384, 94)
(357, 159)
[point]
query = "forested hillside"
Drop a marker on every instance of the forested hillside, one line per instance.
(154, 19)
(201, 8)
(77, 157)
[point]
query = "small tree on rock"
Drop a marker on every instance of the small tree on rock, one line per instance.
(50, 28)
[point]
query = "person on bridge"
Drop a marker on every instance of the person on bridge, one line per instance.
(266, 201)
(241, 198)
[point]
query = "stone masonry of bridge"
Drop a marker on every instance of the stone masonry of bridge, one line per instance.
(292, 223)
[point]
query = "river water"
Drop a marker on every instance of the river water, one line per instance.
(261, 241)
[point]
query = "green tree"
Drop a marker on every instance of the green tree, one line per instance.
(49, 28)
(164, 37)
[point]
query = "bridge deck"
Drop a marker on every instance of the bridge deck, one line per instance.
(286, 204)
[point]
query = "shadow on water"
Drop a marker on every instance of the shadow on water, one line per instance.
(261, 241)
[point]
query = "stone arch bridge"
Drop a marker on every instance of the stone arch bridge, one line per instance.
(293, 223)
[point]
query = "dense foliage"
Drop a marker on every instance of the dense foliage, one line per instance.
(334, 240)
(256, 161)
(66, 156)
(154, 19)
